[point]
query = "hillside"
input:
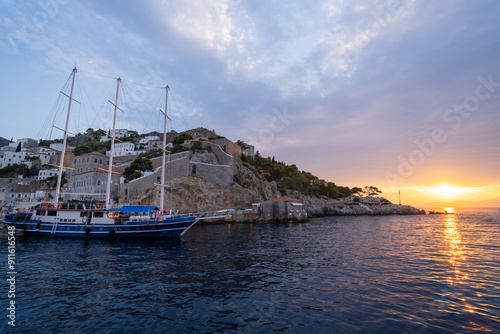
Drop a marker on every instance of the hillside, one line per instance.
(255, 179)
(194, 194)
(4, 142)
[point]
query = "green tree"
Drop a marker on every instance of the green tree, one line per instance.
(82, 149)
(45, 142)
(151, 154)
(179, 148)
(180, 139)
(18, 149)
(371, 191)
(356, 191)
(136, 168)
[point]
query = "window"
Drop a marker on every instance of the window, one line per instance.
(100, 161)
(95, 160)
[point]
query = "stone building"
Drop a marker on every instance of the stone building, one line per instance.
(94, 183)
(282, 208)
(15, 190)
(88, 162)
(213, 165)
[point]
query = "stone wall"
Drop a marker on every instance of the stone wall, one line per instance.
(176, 166)
(220, 174)
(228, 146)
(223, 157)
(133, 188)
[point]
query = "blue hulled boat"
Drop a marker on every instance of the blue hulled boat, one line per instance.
(81, 220)
(94, 220)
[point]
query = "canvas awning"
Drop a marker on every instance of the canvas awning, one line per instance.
(136, 208)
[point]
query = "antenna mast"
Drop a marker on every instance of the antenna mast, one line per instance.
(112, 152)
(164, 148)
(63, 153)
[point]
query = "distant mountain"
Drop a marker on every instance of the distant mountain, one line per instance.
(491, 203)
(4, 142)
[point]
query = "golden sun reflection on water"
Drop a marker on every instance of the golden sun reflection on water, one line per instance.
(455, 250)
(456, 254)
(449, 210)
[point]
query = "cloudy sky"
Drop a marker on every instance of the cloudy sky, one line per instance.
(395, 94)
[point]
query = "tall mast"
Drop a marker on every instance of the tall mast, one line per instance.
(110, 167)
(61, 164)
(164, 147)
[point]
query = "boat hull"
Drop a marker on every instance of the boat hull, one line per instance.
(173, 227)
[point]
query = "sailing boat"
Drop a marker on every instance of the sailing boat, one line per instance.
(92, 220)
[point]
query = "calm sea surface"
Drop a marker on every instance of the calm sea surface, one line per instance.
(416, 274)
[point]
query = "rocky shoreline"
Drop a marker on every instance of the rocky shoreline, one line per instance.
(193, 194)
(325, 210)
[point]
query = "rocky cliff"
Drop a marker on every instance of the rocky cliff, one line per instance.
(194, 194)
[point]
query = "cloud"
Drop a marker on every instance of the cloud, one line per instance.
(364, 81)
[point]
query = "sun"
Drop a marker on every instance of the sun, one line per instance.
(445, 190)
(449, 192)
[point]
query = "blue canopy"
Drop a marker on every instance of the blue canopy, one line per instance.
(136, 208)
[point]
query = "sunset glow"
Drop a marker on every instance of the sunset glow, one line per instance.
(444, 193)
(451, 192)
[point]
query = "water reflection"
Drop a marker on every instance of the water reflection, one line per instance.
(449, 210)
(457, 259)
(438, 274)
(455, 250)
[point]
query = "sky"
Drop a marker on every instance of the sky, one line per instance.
(394, 94)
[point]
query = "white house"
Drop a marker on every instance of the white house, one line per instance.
(123, 149)
(44, 150)
(11, 158)
(25, 143)
(119, 133)
(146, 139)
(46, 173)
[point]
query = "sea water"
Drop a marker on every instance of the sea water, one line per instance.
(385, 274)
